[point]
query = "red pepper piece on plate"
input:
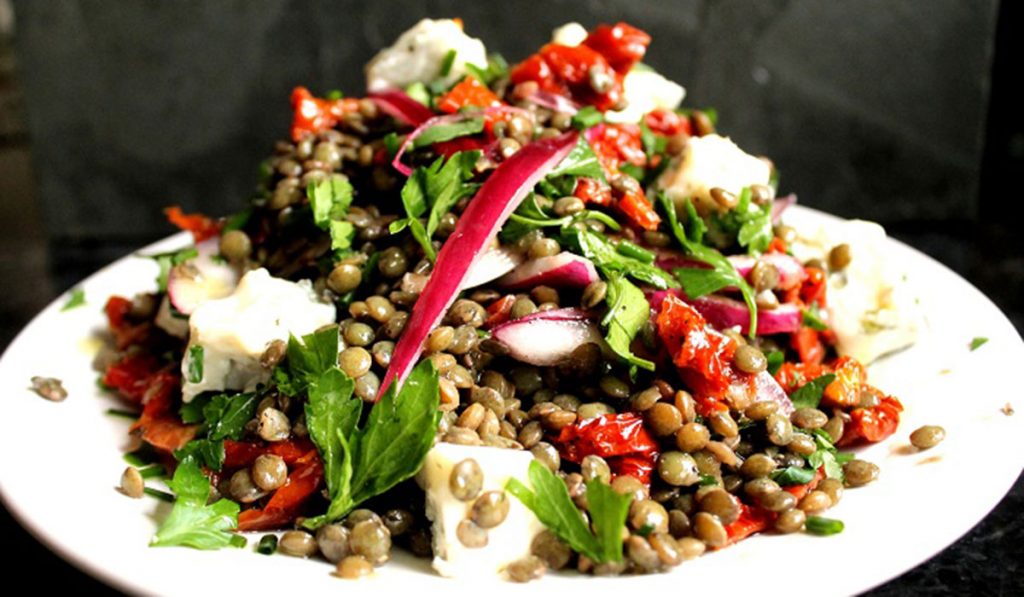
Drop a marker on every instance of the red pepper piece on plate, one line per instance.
(468, 92)
(202, 227)
(243, 453)
(159, 425)
(874, 424)
(621, 44)
(286, 503)
(314, 115)
(844, 391)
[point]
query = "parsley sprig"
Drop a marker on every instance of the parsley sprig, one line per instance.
(549, 500)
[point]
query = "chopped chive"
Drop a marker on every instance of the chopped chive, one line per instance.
(446, 65)
(817, 525)
(635, 251)
(267, 545)
(153, 470)
(77, 299)
(160, 495)
(120, 412)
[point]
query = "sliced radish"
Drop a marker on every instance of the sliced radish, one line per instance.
(547, 338)
(564, 270)
(491, 265)
(200, 279)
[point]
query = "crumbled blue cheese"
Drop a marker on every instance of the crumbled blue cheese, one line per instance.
(507, 542)
(419, 54)
(234, 331)
(871, 306)
(708, 162)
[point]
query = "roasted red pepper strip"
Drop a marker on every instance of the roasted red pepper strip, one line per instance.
(468, 92)
(752, 520)
(314, 115)
(621, 439)
(131, 375)
(702, 354)
(243, 453)
(201, 227)
(287, 502)
(808, 346)
(667, 123)
(799, 491)
(622, 45)
(639, 210)
(160, 425)
(870, 425)
(792, 376)
(592, 191)
(844, 391)
(499, 311)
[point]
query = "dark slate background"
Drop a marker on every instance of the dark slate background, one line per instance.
(895, 110)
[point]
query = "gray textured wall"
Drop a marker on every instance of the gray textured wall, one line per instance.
(871, 108)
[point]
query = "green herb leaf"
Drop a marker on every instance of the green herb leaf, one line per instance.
(811, 318)
(206, 452)
(331, 416)
(419, 92)
(698, 282)
(237, 221)
(581, 161)
(312, 356)
(192, 412)
(809, 394)
(448, 131)
(608, 511)
(361, 463)
(628, 311)
(792, 475)
(496, 69)
(977, 343)
(446, 64)
(550, 502)
(826, 456)
(775, 359)
(587, 117)
(602, 252)
(227, 414)
(437, 187)
(329, 200)
(192, 522)
(77, 299)
(818, 525)
(624, 247)
(195, 363)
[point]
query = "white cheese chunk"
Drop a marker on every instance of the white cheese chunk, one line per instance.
(235, 330)
(419, 54)
(644, 91)
(871, 305)
(507, 542)
(708, 162)
(569, 34)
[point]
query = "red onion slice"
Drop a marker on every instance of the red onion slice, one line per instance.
(553, 101)
(506, 188)
(491, 265)
(545, 341)
(780, 205)
(723, 312)
(791, 273)
(564, 270)
(397, 104)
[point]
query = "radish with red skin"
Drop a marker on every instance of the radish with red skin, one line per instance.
(564, 270)
(506, 188)
(547, 338)
(200, 279)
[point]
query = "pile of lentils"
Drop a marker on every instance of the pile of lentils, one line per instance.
(706, 467)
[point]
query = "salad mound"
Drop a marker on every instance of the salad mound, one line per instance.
(512, 318)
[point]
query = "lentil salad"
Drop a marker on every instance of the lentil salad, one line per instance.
(509, 312)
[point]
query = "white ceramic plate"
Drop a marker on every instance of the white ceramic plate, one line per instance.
(61, 461)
